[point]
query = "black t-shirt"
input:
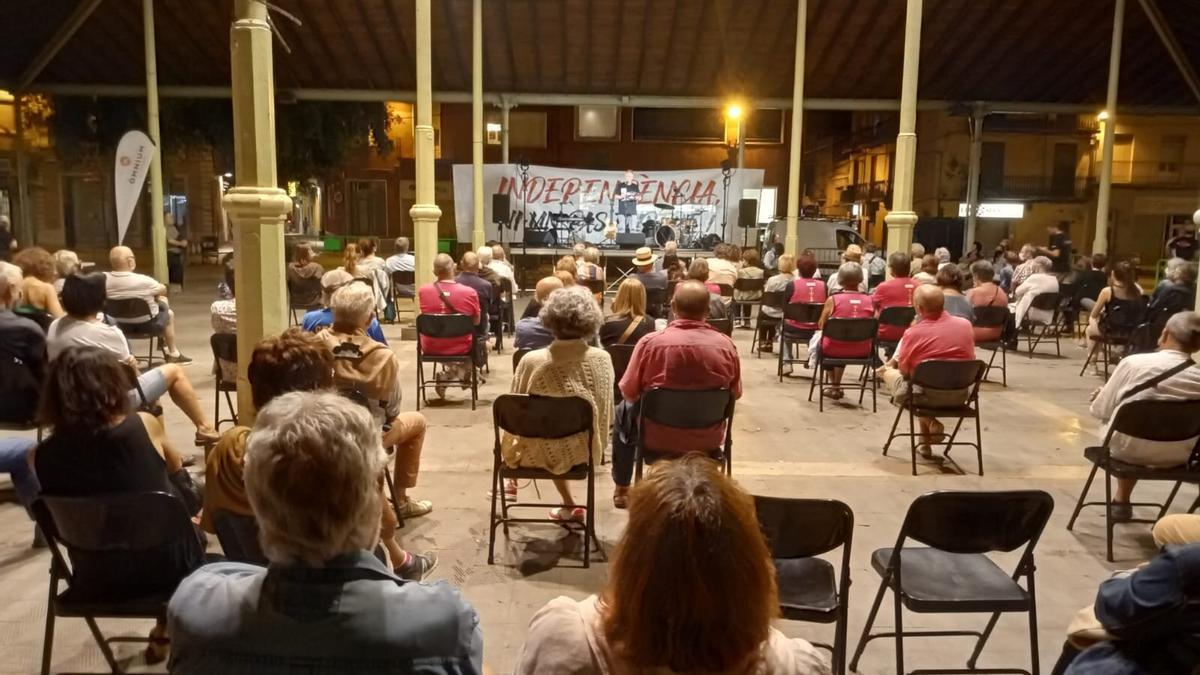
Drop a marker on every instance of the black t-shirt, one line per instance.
(627, 198)
(1184, 247)
(611, 330)
(6, 240)
(1061, 242)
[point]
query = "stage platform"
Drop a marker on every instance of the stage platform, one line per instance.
(535, 262)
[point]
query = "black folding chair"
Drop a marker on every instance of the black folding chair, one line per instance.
(304, 295)
(746, 285)
(1117, 324)
(789, 336)
(596, 286)
(1068, 306)
(774, 300)
(546, 417)
(848, 330)
(518, 355)
(994, 317)
(954, 575)
(900, 316)
(210, 249)
(19, 396)
(935, 376)
(89, 537)
(799, 530)
(446, 326)
(224, 348)
(685, 409)
(42, 319)
(506, 305)
(130, 315)
(402, 280)
(238, 535)
(723, 325)
(657, 302)
(726, 292)
(1036, 330)
(1161, 421)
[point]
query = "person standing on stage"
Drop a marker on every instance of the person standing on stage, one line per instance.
(627, 193)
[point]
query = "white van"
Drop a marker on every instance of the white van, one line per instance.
(826, 237)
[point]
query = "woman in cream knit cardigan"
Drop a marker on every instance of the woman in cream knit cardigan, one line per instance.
(568, 367)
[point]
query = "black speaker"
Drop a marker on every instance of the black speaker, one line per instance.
(540, 238)
(501, 208)
(748, 213)
(631, 239)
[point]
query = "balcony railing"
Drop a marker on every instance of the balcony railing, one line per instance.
(876, 191)
(1159, 174)
(1041, 124)
(1032, 187)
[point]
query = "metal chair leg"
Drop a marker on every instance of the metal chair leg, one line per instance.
(48, 637)
(1087, 485)
(104, 646)
(866, 633)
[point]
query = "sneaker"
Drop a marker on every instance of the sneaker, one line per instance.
(419, 567)
(178, 358)
(412, 508)
(1120, 512)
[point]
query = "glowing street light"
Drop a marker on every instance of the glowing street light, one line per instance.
(733, 111)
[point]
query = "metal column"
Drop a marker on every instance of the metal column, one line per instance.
(504, 108)
(974, 160)
(158, 233)
(1104, 196)
(477, 231)
(901, 219)
(791, 243)
(425, 212)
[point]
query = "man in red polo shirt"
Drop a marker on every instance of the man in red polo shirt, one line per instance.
(937, 335)
(688, 354)
(895, 292)
(447, 296)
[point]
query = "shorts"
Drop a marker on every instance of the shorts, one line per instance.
(163, 317)
(153, 384)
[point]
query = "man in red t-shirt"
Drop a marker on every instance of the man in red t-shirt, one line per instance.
(937, 335)
(895, 292)
(447, 296)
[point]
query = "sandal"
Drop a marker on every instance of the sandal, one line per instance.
(834, 393)
(510, 489)
(159, 646)
(621, 497)
(561, 515)
(937, 432)
(207, 438)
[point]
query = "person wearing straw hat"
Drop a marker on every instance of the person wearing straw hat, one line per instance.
(643, 261)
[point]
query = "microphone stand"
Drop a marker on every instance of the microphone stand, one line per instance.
(726, 177)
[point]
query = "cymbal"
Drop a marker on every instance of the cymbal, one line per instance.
(664, 205)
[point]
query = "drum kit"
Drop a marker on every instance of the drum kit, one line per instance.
(682, 223)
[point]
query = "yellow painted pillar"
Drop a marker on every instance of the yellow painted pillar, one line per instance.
(901, 219)
(477, 232)
(425, 212)
(504, 108)
(23, 223)
(1104, 194)
(791, 242)
(158, 232)
(256, 206)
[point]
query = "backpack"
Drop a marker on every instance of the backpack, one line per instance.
(362, 368)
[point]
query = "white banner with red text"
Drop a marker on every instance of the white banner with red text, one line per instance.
(560, 206)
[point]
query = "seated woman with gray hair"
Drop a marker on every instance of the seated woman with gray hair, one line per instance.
(313, 470)
(847, 304)
(1177, 292)
(568, 367)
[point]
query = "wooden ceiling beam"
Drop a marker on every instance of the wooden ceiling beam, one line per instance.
(297, 42)
(118, 43)
(868, 67)
(506, 28)
(1001, 67)
(410, 65)
(647, 27)
(674, 18)
(207, 48)
(56, 42)
(695, 47)
(984, 30)
(335, 9)
(784, 27)
(318, 37)
(381, 54)
(450, 10)
(564, 45)
(615, 52)
(950, 19)
(535, 25)
(749, 52)
(1063, 81)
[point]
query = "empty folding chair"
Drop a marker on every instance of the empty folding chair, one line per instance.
(953, 574)
(810, 589)
(224, 349)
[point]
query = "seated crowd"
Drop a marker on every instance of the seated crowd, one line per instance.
(324, 472)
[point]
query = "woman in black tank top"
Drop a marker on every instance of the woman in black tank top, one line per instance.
(100, 447)
(1119, 308)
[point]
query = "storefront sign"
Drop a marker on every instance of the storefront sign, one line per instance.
(134, 153)
(996, 210)
(572, 205)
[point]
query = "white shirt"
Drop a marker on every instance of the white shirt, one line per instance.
(502, 268)
(1130, 372)
(1035, 285)
(124, 285)
(67, 331)
(721, 271)
(401, 262)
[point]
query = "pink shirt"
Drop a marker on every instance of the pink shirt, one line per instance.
(688, 354)
(896, 292)
(811, 291)
(945, 338)
(849, 305)
(463, 299)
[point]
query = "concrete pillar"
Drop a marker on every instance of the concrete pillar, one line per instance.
(256, 206)
(504, 108)
(23, 215)
(425, 212)
(158, 232)
(901, 219)
(741, 146)
(791, 242)
(477, 232)
(1104, 196)
(974, 162)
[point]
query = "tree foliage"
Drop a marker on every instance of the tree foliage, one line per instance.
(310, 136)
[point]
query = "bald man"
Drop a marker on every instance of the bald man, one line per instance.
(124, 283)
(531, 333)
(447, 296)
(937, 335)
(688, 354)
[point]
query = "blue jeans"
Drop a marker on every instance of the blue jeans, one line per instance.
(14, 460)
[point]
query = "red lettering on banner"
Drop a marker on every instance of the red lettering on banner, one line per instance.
(506, 185)
(533, 191)
(606, 192)
(705, 193)
(570, 189)
(552, 191)
(589, 188)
